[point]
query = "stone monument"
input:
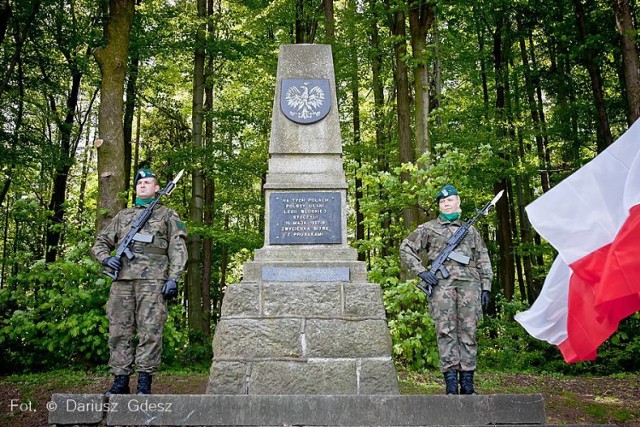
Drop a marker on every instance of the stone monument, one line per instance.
(304, 319)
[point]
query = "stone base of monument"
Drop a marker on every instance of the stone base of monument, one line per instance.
(296, 328)
(298, 410)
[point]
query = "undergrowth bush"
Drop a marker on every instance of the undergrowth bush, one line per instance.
(503, 344)
(54, 315)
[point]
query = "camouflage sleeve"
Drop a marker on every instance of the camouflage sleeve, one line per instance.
(106, 240)
(484, 262)
(410, 248)
(177, 246)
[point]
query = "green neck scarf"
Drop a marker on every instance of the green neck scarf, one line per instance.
(450, 217)
(144, 202)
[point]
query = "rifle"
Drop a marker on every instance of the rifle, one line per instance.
(453, 242)
(124, 246)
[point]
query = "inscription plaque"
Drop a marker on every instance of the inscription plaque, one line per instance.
(303, 218)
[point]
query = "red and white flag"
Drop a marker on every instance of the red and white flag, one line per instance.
(593, 219)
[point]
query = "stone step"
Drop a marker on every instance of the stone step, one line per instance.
(298, 410)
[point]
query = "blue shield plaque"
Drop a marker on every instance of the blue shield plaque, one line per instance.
(305, 101)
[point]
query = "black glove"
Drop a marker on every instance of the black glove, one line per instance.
(485, 299)
(112, 262)
(170, 289)
(428, 277)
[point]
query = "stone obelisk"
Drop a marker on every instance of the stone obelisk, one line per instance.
(304, 319)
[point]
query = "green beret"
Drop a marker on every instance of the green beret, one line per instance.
(143, 173)
(446, 191)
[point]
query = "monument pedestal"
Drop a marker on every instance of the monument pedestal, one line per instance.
(303, 333)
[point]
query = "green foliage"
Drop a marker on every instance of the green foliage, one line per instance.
(182, 348)
(503, 345)
(53, 314)
(410, 326)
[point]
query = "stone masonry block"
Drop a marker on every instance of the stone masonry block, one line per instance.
(227, 378)
(257, 338)
(377, 376)
(357, 338)
(77, 409)
(302, 299)
(312, 377)
(363, 300)
(241, 299)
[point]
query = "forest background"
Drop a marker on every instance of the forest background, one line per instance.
(487, 95)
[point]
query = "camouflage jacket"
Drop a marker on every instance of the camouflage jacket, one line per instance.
(163, 258)
(424, 244)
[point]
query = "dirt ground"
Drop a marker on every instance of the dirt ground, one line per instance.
(568, 400)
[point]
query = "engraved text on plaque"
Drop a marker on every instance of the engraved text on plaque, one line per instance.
(309, 217)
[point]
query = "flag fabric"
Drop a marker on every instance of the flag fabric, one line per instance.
(592, 218)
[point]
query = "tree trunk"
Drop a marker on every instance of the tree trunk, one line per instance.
(378, 114)
(14, 141)
(546, 161)
(207, 255)
(136, 151)
(5, 14)
(130, 105)
(630, 63)
(59, 195)
(330, 25)
(306, 24)
(112, 60)
(20, 37)
(533, 110)
(196, 310)
(604, 138)
(87, 156)
(421, 17)
(506, 272)
(398, 29)
(357, 146)
(209, 189)
(5, 245)
(434, 102)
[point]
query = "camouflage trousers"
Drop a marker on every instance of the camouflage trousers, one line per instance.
(455, 309)
(136, 306)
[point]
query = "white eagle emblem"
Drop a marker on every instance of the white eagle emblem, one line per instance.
(304, 102)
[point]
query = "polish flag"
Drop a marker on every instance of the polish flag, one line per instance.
(592, 218)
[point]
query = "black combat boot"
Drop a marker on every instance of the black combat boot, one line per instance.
(451, 381)
(466, 382)
(144, 383)
(120, 386)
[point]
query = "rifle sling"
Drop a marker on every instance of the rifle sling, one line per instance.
(471, 264)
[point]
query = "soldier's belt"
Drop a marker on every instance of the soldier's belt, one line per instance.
(151, 250)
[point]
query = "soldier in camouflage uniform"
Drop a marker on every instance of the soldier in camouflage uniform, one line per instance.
(138, 298)
(456, 302)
